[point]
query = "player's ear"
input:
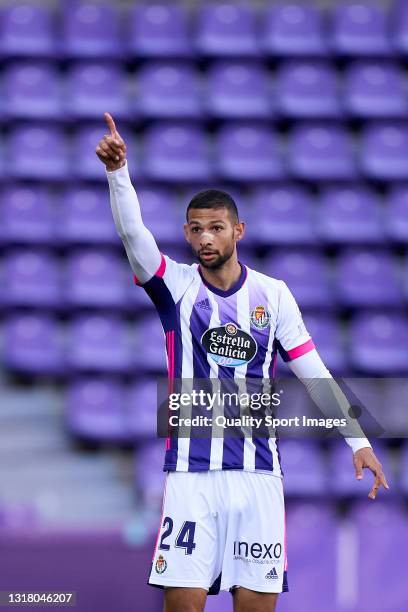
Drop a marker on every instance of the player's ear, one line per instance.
(239, 230)
(187, 233)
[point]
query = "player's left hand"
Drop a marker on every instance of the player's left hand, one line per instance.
(365, 458)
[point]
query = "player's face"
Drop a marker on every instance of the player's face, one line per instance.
(212, 235)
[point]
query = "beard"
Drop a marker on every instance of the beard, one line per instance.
(218, 261)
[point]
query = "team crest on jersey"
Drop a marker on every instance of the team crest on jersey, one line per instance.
(161, 564)
(260, 317)
(229, 345)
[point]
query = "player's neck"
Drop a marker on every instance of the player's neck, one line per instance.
(225, 277)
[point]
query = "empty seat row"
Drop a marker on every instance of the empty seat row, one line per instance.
(376, 343)
(176, 152)
(226, 89)
(103, 407)
(99, 29)
(285, 214)
(357, 278)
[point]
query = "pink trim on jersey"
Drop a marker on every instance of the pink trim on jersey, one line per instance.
(161, 519)
(159, 272)
(300, 350)
(170, 357)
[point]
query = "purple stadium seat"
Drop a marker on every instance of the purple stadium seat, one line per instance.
(307, 89)
(282, 215)
(95, 87)
(403, 463)
(168, 89)
(159, 29)
(311, 530)
(375, 89)
(138, 300)
(367, 278)
(388, 521)
(160, 214)
(37, 151)
(95, 278)
(181, 253)
(86, 164)
(2, 162)
(405, 277)
(221, 603)
(85, 216)
(91, 30)
(350, 215)
(32, 90)
(384, 151)
(248, 152)
(293, 29)
(27, 30)
(306, 275)
(226, 29)
(328, 339)
(238, 90)
(149, 473)
(150, 353)
(27, 215)
(392, 416)
(397, 213)
(31, 278)
(400, 26)
(378, 343)
(141, 408)
(360, 28)
(321, 152)
(343, 481)
(94, 409)
(303, 467)
(32, 344)
(249, 258)
(176, 152)
(99, 343)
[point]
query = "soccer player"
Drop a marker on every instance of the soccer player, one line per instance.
(223, 523)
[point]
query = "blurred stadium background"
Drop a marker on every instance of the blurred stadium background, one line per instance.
(300, 110)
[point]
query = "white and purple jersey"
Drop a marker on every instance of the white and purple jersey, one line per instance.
(216, 334)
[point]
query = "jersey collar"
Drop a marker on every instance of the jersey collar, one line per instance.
(233, 289)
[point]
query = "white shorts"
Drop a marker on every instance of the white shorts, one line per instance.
(221, 529)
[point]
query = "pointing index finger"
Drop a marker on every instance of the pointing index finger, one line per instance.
(111, 124)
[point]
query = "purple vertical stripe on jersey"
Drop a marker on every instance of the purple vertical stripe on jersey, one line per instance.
(233, 447)
(200, 439)
(169, 314)
(258, 297)
(272, 376)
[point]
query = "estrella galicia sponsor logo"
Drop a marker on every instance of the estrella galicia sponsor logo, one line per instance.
(256, 552)
(161, 564)
(229, 345)
(272, 574)
(260, 317)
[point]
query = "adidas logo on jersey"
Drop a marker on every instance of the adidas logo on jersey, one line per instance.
(272, 574)
(205, 304)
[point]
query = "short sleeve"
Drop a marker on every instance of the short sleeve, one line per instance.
(291, 335)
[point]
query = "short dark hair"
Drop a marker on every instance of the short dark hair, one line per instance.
(214, 198)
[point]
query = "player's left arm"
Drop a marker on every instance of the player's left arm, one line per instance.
(298, 350)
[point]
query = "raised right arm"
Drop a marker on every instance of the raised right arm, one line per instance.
(141, 248)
